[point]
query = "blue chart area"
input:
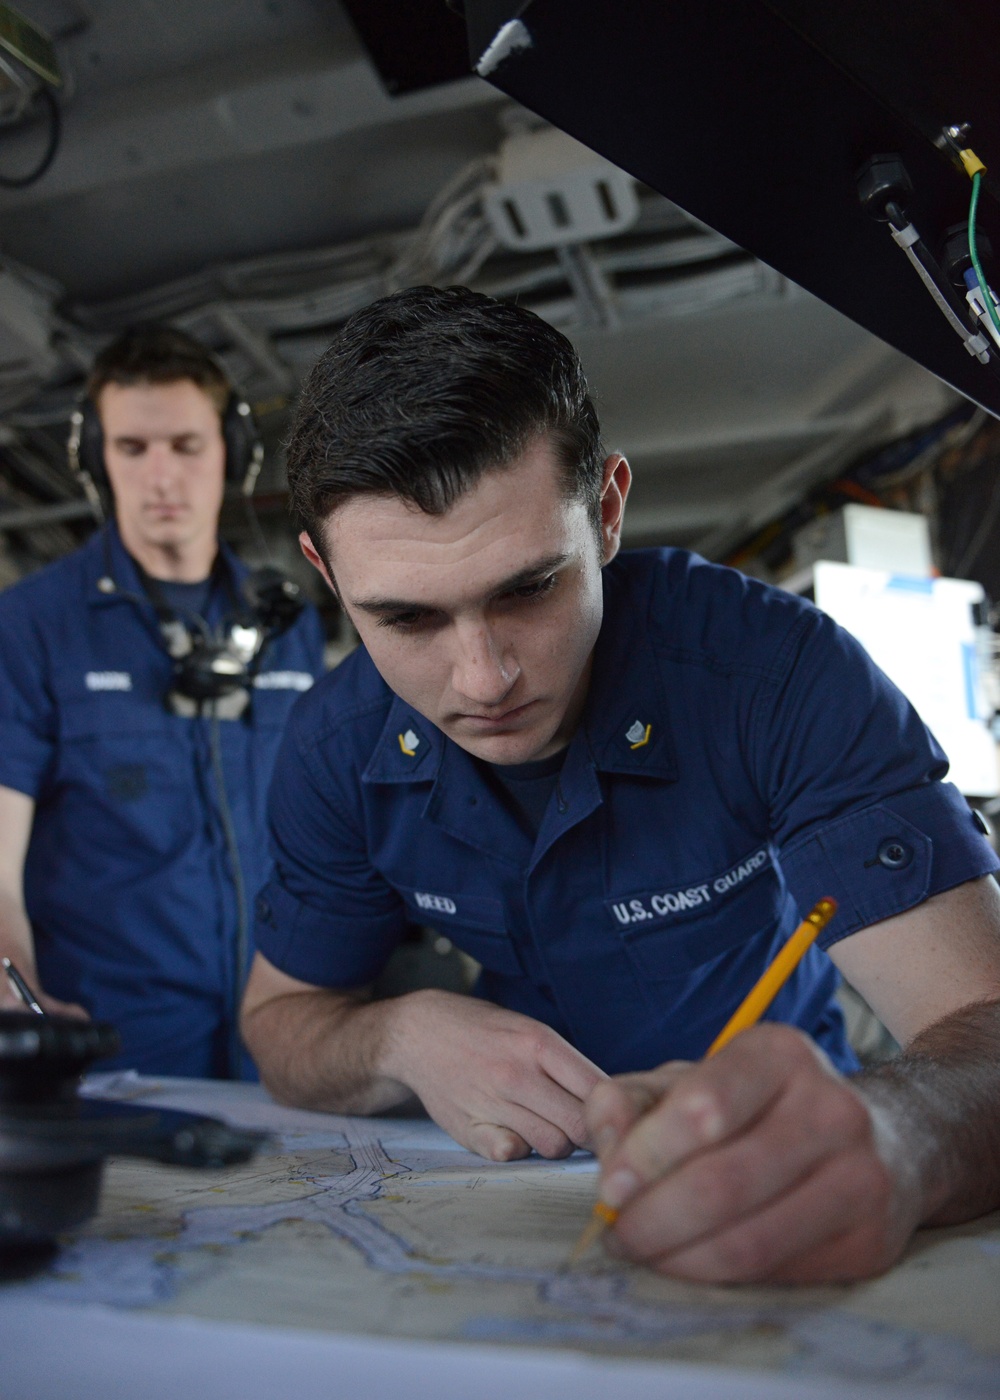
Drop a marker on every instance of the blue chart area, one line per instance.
(385, 1227)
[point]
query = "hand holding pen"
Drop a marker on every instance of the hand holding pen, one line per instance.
(23, 997)
(758, 1163)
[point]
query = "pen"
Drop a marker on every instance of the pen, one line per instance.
(21, 987)
(747, 1014)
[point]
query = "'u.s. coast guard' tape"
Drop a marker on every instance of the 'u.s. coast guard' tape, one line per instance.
(670, 904)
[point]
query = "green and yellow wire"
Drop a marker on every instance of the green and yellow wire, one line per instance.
(975, 168)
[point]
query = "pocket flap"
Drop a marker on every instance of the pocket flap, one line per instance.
(669, 950)
(474, 923)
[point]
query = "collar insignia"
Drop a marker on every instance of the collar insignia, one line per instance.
(409, 742)
(638, 734)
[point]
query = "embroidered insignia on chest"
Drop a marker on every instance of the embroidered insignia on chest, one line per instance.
(638, 734)
(409, 742)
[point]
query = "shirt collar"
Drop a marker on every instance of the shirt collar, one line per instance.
(625, 718)
(409, 748)
(108, 557)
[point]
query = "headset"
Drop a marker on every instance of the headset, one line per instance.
(213, 669)
(219, 671)
(85, 448)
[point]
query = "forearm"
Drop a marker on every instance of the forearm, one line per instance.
(329, 1051)
(938, 1111)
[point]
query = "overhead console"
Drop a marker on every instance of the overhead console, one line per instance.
(853, 147)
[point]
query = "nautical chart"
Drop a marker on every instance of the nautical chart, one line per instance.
(385, 1226)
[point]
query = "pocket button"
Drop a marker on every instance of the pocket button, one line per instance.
(895, 854)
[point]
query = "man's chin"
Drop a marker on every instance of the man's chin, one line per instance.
(522, 746)
(167, 534)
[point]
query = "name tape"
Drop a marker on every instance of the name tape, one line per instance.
(440, 903)
(283, 680)
(641, 908)
(108, 680)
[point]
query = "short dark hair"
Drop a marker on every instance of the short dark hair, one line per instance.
(424, 391)
(159, 354)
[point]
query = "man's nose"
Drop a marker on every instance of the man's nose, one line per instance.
(161, 464)
(482, 672)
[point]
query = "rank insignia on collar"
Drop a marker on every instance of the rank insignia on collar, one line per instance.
(638, 734)
(409, 742)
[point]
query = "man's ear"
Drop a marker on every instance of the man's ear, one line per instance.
(614, 492)
(317, 561)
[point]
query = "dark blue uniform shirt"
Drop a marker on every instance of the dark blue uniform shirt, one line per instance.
(739, 757)
(129, 882)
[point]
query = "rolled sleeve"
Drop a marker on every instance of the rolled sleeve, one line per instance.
(854, 782)
(327, 916)
(888, 857)
(318, 945)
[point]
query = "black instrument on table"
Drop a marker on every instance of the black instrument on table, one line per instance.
(53, 1142)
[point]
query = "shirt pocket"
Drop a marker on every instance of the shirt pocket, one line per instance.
(474, 923)
(665, 951)
(126, 773)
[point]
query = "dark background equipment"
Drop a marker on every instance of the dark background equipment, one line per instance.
(756, 117)
(53, 1142)
(413, 45)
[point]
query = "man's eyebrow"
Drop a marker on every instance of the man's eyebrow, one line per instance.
(507, 585)
(151, 437)
(530, 574)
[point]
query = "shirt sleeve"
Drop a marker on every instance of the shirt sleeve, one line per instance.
(27, 706)
(326, 916)
(854, 785)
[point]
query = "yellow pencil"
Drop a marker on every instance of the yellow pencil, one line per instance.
(747, 1014)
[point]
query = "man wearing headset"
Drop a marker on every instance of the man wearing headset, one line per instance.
(144, 684)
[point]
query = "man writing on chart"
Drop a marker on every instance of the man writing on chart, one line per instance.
(615, 780)
(143, 691)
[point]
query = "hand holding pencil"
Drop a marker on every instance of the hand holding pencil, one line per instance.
(758, 1162)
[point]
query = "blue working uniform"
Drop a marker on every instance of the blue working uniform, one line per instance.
(739, 757)
(129, 876)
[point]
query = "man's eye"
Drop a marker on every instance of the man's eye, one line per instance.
(537, 589)
(402, 621)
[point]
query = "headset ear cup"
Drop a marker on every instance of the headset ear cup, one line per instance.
(243, 445)
(86, 443)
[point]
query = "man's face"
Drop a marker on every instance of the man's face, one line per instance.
(165, 457)
(484, 618)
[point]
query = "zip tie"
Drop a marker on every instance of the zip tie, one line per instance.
(905, 237)
(976, 345)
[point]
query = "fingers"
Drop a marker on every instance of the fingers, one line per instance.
(494, 1142)
(545, 1115)
(712, 1101)
(711, 1191)
(800, 1236)
(494, 1079)
(536, 1093)
(567, 1067)
(63, 1008)
(759, 1164)
(615, 1105)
